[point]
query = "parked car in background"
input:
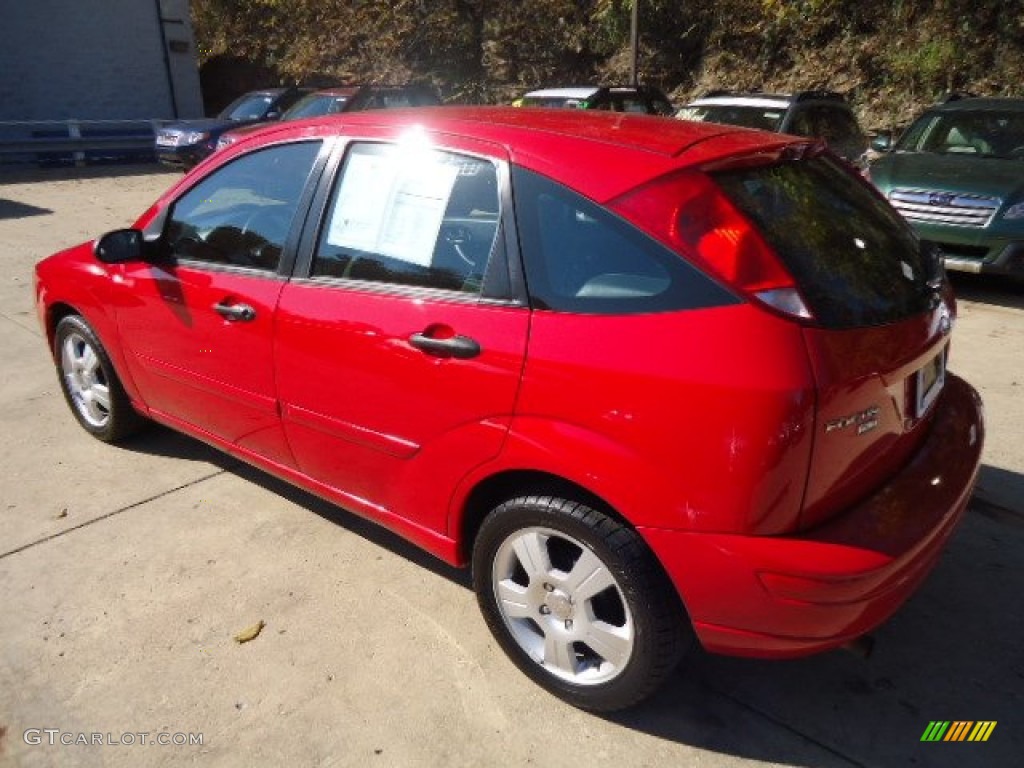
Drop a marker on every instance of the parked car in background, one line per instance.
(350, 98)
(699, 395)
(957, 175)
(628, 98)
(183, 144)
(815, 114)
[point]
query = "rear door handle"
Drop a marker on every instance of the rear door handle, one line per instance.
(461, 347)
(235, 312)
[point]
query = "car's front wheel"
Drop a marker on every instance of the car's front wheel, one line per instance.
(578, 602)
(90, 383)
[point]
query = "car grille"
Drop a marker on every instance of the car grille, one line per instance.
(936, 207)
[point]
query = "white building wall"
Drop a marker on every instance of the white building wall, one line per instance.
(97, 60)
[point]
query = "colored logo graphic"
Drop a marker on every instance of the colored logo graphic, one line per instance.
(958, 730)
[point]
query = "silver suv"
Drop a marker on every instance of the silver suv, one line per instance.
(817, 114)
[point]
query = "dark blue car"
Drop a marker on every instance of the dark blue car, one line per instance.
(185, 143)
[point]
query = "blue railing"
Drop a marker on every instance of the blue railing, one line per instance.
(78, 142)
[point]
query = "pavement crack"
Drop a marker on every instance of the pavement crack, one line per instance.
(17, 323)
(108, 515)
(27, 327)
(787, 727)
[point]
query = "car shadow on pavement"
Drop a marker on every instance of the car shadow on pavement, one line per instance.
(158, 440)
(952, 653)
(12, 209)
(989, 289)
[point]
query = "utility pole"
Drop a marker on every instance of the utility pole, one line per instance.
(634, 36)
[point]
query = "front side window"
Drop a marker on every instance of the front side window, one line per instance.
(412, 216)
(240, 214)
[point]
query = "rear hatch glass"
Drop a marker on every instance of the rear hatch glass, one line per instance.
(877, 341)
(855, 261)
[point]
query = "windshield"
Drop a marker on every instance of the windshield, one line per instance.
(765, 118)
(248, 107)
(314, 105)
(985, 133)
(857, 263)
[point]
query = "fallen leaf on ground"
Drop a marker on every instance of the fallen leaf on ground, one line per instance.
(250, 633)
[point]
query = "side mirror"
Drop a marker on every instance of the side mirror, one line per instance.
(882, 142)
(119, 246)
(274, 115)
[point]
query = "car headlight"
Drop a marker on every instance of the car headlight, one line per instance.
(194, 137)
(1014, 212)
(225, 141)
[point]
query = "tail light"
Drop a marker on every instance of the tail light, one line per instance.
(688, 212)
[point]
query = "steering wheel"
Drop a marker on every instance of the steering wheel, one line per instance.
(457, 236)
(262, 236)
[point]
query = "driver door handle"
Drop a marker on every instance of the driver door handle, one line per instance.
(461, 347)
(235, 312)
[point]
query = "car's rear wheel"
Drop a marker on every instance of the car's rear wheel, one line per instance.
(90, 383)
(578, 602)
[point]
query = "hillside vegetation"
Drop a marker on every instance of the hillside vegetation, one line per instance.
(889, 58)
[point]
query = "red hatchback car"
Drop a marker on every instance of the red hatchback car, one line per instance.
(655, 381)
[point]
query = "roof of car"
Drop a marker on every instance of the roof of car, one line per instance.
(342, 90)
(972, 104)
(610, 152)
(588, 91)
(582, 92)
(759, 100)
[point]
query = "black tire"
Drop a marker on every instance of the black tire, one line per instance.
(90, 384)
(630, 602)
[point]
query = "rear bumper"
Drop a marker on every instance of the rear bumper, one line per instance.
(790, 596)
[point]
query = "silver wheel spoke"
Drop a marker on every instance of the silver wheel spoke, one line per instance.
(558, 653)
(531, 549)
(89, 361)
(514, 600)
(613, 644)
(589, 577)
(101, 396)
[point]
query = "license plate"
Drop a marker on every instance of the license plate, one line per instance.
(929, 381)
(166, 141)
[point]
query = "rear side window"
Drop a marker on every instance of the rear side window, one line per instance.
(420, 218)
(823, 122)
(580, 257)
(856, 262)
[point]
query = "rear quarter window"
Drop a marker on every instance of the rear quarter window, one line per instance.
(580, 257)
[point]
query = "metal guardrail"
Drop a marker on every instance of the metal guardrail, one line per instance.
(77, 141)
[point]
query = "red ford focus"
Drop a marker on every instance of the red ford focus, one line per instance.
(657, 382)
